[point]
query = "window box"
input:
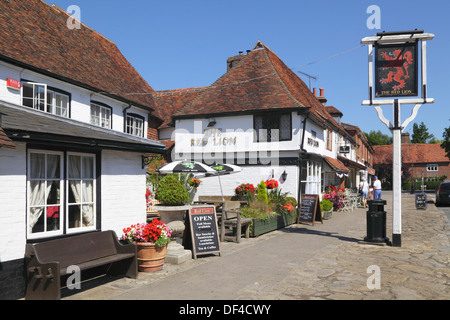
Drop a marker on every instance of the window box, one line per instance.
(262, 226)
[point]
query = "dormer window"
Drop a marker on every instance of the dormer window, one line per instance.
(135, 125)
(101, 115)
(40, 97)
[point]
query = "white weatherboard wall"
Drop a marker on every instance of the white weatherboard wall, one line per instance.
(12, 203)
(123, 190)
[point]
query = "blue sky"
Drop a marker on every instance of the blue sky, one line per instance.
(181, 44)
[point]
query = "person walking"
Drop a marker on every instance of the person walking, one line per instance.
(364, 187)
(376, 188)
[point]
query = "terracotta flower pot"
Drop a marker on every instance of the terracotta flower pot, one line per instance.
(150, 257)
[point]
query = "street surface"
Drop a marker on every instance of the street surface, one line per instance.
(304, 262)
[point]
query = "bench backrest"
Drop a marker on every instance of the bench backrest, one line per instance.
(229, 207)
(77, 249)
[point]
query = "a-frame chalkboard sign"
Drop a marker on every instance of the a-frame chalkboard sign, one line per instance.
(309, 209)
(201, 231)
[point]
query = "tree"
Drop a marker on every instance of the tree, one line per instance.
(377, 138)
(446, 144)
(420, 134)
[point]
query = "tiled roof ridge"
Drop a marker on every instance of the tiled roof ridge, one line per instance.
(278, 75)
(61, 10)
(316, 106)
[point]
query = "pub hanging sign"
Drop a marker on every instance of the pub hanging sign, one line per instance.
(396, 71)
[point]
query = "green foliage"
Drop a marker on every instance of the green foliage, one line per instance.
(292, 201)
(256, 211)
(262, 192)
(420, 134)
(376, 138)
(446, 143)
(326, 205)
(171, 191)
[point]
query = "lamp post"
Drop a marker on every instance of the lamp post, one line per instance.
(395, 75)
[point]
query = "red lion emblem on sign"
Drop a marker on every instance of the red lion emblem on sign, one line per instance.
(400, 64)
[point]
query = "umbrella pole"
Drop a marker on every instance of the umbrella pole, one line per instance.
(220, 183)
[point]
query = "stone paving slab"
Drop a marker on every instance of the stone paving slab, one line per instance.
(336, 267)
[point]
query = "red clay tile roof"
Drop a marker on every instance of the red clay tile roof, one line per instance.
(333, 110)
(260, 81)
(170, 102)
(35, 34)
(411, 153)
(5, 142)
(336, 164)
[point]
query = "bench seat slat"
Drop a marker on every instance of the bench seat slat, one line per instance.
(99, 262)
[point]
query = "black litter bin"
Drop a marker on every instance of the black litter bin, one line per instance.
(376, 222)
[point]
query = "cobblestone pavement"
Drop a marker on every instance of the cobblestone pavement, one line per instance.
(420, 269)
(337, 270)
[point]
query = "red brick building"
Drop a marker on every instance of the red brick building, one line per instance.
(430, 158)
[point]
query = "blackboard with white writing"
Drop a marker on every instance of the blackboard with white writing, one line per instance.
(201, 228)
(421, 201)
(309, 209)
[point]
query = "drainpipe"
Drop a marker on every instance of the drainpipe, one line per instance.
(300, 158)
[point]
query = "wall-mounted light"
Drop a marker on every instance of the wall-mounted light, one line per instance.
(284, 175)
(212, 123)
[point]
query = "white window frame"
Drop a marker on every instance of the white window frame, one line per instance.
(432, 167)
(52, 233)
(132, 128)
(53, 103)
(103, 111)
(81, 203)
(35, 105)
(46, 100)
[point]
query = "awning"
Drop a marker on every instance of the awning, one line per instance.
(351, 163)
(336, 165)
(26, 124)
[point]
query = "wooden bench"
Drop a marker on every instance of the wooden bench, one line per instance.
(232, 220)
(48, 261)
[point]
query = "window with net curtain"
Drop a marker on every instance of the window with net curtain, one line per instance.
(50, 211)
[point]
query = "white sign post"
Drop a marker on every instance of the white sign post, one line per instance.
(400, 62)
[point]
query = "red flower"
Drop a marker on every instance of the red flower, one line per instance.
(271, 184)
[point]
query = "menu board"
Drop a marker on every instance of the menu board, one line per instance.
(309, 209)
(201, 229)
(421, 201)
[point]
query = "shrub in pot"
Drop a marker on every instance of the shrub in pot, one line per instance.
(326, 205)
(171, 192)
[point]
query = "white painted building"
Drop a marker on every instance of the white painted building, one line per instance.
(77, 165)
(261, 116)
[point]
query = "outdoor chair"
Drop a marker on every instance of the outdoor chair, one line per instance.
(231, 222)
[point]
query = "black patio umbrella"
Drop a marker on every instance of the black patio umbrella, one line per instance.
(185, 166)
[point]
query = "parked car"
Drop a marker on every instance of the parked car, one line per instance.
(443, 193)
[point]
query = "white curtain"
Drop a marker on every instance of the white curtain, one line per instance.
(38, 177)
(82, 189)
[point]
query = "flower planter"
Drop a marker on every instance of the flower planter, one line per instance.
(150, 257)
(326, 215)
(261, 226)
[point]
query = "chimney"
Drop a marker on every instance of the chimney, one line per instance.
(405, 138)
(322, 98)
(315, 92)
(233, 61)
